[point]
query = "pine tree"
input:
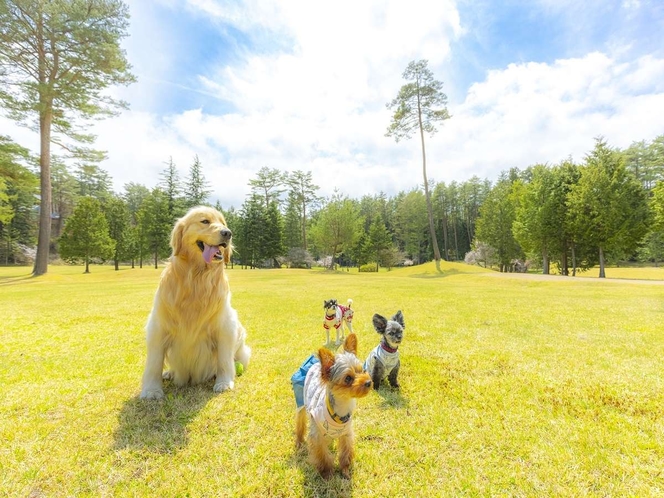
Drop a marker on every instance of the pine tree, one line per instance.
(85, 235)
(57, 58)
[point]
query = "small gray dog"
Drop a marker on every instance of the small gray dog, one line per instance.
(384, 358)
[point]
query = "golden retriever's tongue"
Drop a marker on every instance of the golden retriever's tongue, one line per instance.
(209, 252)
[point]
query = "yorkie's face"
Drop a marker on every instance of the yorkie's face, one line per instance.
(347, 378)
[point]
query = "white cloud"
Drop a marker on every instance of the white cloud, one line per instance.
(320, 104)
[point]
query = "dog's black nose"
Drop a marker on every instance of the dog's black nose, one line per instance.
(226, 233)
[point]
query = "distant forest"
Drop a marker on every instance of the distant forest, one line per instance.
(572, 216)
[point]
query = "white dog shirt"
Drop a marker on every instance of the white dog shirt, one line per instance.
(315, 401)
(387, 358)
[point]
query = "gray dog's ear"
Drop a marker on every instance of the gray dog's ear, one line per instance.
(398, 317)
(379, 323)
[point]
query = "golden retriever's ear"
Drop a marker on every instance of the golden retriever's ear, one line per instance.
(176, 237)
(228, 252)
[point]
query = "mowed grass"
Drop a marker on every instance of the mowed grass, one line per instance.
(510, 387)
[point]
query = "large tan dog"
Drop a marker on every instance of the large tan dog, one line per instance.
(192, 326)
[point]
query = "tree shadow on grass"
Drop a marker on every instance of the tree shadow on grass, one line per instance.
(161, 426)
(313, 485)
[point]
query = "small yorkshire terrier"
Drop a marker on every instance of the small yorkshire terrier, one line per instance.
(335, 316)
(384, 358)
(331, 388)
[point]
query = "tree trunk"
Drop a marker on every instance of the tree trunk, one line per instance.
(117, 264)
(45, 121)
(573, 261)
(545, 262)
(445, 236)
(44, 238)
(456, 240)
(432, 228)
(602, 273)
(156, 259)
(304, 225)
(563, 262)
(87, 264)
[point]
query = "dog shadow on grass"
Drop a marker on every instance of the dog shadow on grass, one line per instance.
(313, 485)
(391, 398)
(161, 425)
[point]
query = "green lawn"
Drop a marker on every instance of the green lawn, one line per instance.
(510, 386)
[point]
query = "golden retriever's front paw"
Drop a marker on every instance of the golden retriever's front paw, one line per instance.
(222, 386)
(152, 394)
(168, 375)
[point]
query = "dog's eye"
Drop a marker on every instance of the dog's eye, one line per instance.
(205, 222)
(349, 379)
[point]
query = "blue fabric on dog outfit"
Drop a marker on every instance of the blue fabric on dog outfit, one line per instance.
(298, 379)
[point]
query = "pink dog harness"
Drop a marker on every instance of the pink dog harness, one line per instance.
(341, 312)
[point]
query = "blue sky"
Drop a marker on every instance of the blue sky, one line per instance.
(303, 85)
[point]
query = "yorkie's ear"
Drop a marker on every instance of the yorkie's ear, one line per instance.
(326, 358)
(398, 317)
(379, 323)
(350, 344)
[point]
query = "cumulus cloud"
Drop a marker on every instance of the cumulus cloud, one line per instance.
(309, 93)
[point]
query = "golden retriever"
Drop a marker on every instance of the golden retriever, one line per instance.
(192, 326)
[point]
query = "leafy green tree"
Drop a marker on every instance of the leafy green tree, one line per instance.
(472, 195)
(293, 223)
(119, 227)
(196, 188)
(85, 234)
(134, 195)
(268, 185)
(155, 225)
(171, 187)
(378, 241)
(411, 224)
(338, 227)
(6, 209)
(302, 188)
(657, 206)
(417, 107)
(233, 222)
(608, 206)
(19, 196)
(64, 194)
(273, 234)
(537, 215)
(251, 236)
(652, 248)
(58, 57)
(93, 181)
(646, 161)
(494, 226)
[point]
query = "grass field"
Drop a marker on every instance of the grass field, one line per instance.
(510, 387)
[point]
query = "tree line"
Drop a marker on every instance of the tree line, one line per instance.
(59, 57)
(574, 216)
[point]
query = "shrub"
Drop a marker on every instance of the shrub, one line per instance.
(369, 267)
